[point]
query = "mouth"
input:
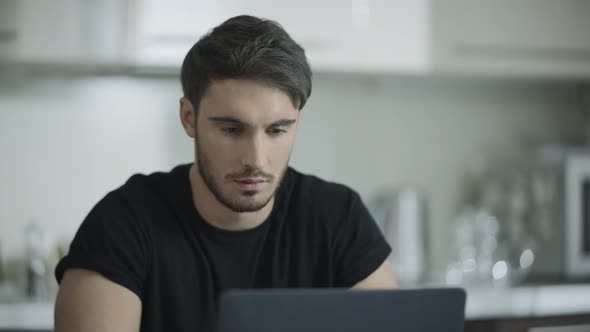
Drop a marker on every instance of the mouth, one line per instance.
(250, 184)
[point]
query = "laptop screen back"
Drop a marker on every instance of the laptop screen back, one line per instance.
(340, 310)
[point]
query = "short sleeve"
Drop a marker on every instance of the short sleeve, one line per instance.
(359, 246)
(112, 242)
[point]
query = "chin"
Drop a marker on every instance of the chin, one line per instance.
(249, 201)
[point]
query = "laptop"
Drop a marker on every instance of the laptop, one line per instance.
(342, 310)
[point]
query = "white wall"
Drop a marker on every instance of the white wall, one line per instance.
(65, 142)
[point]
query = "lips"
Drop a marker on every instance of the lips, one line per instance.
(250, 184)
(251, 180)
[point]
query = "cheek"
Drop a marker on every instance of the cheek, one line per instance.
(217, 152)
(209, 140)
(280, 153)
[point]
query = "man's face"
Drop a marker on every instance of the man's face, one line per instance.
(245, 133)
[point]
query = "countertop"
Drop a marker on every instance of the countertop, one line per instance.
(26, 316)
(528, 301)
(485, 303)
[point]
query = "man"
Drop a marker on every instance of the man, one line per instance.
(155, 254)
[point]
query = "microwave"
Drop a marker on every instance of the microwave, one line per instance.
(577, 215)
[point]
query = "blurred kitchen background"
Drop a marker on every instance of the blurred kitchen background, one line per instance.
(457, 121)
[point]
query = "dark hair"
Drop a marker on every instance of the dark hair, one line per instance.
(247, 47)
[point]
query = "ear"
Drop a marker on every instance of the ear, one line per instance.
(187, 116)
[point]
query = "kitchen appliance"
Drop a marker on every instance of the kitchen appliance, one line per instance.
(542, 203)
(577, 215)
(36, 267)
(401, 216)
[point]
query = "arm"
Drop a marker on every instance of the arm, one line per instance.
(382, 278)
(89, 302)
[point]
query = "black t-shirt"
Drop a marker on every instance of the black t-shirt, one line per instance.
(148, 237)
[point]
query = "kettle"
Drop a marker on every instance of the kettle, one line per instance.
(401, 215)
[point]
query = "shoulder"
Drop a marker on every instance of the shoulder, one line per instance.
(322, 197)
(158, 187)
(317, 188)
(141, 198)
(132, 215)
(156, 181)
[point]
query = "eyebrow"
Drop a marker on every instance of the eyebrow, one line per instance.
(232, 120)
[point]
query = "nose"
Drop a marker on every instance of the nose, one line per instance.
(254, 155)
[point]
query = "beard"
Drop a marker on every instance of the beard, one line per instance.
(244, 201)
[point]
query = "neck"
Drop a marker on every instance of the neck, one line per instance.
(217, 214)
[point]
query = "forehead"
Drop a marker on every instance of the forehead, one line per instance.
(247, 100)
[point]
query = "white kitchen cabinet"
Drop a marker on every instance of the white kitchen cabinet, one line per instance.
(481, 38)
(524, 38)
(69, 31)
(350, 36)
(357, 35)
(164, 30)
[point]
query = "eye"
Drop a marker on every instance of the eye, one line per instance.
(231, 130)
(275, 131)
